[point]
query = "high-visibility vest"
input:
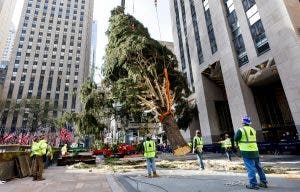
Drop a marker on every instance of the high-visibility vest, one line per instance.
(34, 148)
(222, 143)
(49, 151)
(149, 149)
(248, 139)
(227, 143)
(42, 147)
(198, 142)
(64, 150)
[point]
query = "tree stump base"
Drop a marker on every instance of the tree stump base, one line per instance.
(182, 151)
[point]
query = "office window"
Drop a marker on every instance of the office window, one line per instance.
(65, 104)
(10, 90)
(237, 37)
(48, 96)
(73, 102)
(178, 26)
(256, 27)
(209, 26)
(14, 120)
(186, 41)
(196, 32)
(40, 87)
(31, 83)
(55, 104)
(20, 92)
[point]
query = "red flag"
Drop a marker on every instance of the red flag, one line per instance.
(20, 138)
(65, 135)
(9, 137)
(25, 139)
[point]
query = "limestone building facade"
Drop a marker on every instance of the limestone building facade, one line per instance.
(241, 57)
(50, 58)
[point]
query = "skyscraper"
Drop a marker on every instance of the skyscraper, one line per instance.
(51, 56)
(4, 61)
(242, 58)
(6, 11)
(93, 49)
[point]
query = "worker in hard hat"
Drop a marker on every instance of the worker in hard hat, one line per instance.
(198, 148)
(149, 154)
(246, 139)
(64, 150)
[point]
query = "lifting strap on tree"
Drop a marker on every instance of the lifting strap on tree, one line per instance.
(169, 103)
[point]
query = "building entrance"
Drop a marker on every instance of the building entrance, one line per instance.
(271, 103)
(217, 104)
(274, 113)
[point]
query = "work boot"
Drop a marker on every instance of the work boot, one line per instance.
(155, 174)
(252, 187)
(263, 185)
(149, 176)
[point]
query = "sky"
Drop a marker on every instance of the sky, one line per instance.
(143, 10)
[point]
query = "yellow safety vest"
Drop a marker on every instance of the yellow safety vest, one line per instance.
(149, 149)
(248, 139)
(198, 142)
(34, 148)
(42, 147)
(222, 143)
(64, 149)
(227, 143)
(49, 151)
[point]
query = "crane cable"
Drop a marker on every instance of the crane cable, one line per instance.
(132, 25)
(155, 4)
(167, 82)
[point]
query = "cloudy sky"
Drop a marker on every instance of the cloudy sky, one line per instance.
(143, 10)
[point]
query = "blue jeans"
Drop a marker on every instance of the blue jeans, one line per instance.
(252, 165)
(200, 159)
(150, 165)
(228, 154)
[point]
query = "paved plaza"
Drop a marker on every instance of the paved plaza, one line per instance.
(171, 180)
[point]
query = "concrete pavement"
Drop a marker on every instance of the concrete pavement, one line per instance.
(201, 181)
(63, 180)
(176, 180)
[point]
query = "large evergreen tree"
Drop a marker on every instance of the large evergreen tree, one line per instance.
(96, 109)
(142, 75)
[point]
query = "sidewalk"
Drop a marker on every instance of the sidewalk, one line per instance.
(63, 179)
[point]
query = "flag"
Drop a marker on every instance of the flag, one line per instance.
(65, 135)
(9, 137)
(20, 138)
(25, 139)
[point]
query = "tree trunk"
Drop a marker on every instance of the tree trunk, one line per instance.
(177, 142)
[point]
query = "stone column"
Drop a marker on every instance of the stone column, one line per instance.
(240, 98)
(285, 45)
